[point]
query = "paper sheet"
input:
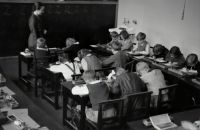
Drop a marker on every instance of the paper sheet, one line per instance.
(7, 90)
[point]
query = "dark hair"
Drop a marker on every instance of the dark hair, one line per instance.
(116, 45)
(124, 34)
(83, 52)
(191, 59)
(175, 51)
(38, 6)
(141, 36)
(158, 49)
(114, 34)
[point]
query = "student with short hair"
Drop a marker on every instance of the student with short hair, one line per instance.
(126, 83)
(126, 41)
(41, 53)
(98, 91)
(88, 60)
(119, 57)
(175, 57)
(114, 37)
(192, 63)
(160, 51)
(142, 47)
(66, 67)
(72, 47)
(154, 80)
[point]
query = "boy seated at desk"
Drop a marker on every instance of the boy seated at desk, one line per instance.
(88, 60)
(142, 47)
(72, 47)
(119, 57)
(175, 58)
(193, 64)
(126, 41)
(125, 83)
(66, 67)
(98, 91)
(154, 80)
(114, 37)
(41, 53)
(160, 51)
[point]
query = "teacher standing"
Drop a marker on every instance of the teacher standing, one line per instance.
(36, 25)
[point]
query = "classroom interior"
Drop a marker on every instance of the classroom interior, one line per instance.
(47, 104)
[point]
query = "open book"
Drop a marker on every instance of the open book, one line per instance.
(162, 122)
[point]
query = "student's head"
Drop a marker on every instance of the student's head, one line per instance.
(114, 35)
(89, 75)
(141, 36)
(192, 60)
(175, 52)
(116, 46)
(158, 49)
(142, 68)
(69, 42)
(83, 52)
(41, 43)
(39, 8)
(119, 71)
(124, 34)
(63, 57)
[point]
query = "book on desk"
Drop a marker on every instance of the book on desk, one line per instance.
(162, 122)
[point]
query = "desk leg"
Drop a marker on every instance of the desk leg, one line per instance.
(82, 121)
(65, 101)
(19, 66)
(56, 95)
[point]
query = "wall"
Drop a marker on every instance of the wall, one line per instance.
(161, 21)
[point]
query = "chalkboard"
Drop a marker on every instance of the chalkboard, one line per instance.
(88, 23)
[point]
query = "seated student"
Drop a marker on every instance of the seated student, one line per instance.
(88, 60)
(98, 91)
(114, 37)
(126, 41)
(159, 51)
(142, 46)
(66, 67)
(192, 63)
(126, 83)
(41, 53)
(119, 57)
(72, 47)
(175, 57)
(154, 80)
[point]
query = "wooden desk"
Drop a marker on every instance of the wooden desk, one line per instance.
(189, 115)
(82, 100)
(52, 79)
(28, 61)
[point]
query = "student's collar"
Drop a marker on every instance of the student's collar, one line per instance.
(35, 13)
(76, 43)
(95, 82)
(88, 54)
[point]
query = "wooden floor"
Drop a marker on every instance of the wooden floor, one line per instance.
(39, 109)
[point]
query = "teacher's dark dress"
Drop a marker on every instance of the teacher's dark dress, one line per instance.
(36, 27)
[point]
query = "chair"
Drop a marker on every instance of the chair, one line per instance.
(137, 106)
(115, 121)
(166, 98)
(130, 66)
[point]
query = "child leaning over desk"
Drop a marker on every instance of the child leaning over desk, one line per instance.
(142, 47)
(98, 91)
(154, 80)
